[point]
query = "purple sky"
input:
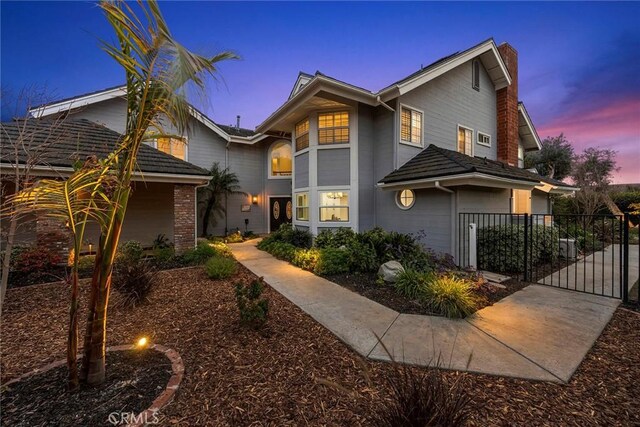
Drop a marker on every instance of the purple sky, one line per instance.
(579, 62)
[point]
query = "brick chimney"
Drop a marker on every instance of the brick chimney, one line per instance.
(507, 108)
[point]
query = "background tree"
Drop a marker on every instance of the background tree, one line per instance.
(554, 159)
(222, 185)
(592, 172)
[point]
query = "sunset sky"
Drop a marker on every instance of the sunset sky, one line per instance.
(579, 63)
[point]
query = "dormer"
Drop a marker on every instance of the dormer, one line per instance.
(303, 79)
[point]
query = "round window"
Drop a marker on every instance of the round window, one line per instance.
(405, 199)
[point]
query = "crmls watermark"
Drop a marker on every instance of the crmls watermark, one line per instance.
(125, 418)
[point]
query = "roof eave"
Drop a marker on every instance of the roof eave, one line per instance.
(534, 139)
(472, 178)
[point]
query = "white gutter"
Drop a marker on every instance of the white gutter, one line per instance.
(440, 187)
(467, 178)
(384, 104)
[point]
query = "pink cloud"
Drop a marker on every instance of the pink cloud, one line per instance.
(615, 126)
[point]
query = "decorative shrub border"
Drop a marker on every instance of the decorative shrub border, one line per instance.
(177, 366)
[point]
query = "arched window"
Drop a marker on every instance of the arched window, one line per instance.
(280, 160)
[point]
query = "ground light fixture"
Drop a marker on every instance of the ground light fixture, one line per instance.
(142, 343)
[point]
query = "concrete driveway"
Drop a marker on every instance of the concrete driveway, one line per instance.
(539, 333)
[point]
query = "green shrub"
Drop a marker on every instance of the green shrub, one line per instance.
(133, 279)
(86, 262)
(501, 247)
(289, 234)
(130, 251)
(164, 257)
(219, 267)
(221, 249)
(585, 239)
(200, 254)
(253, 309)
(412, 284)
(282, 250)
(161, 242)
(332, 261)
(324, 239)
(624, 200)
(362, 257)
(234, 238)
(450, 296)
(306, 258)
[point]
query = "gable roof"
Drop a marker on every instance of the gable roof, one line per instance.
(307, 85)
(526, 130)
(62, 143)
(436, 162)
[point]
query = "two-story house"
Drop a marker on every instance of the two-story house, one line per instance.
(447, 139)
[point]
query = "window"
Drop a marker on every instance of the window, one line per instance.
(334, 206)
(302, 206)
(405, 199)
(465, 137)
(333, 128)
(302, 135)
(280, 160)
(521, 201)
(173, 146)
(484, 139)
(411, 126)
(476, 75)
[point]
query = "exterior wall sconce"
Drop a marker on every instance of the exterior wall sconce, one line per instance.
(254, 200)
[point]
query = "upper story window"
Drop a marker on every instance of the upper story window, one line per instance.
(410, 126)
(465, 141)
(175, 146)
(302, 135)
(333, 128)
(476, 74)
(484, 139)
(280, 160)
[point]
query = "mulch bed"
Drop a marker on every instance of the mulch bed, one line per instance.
(135, 379)
(365, 285)
(279, 376)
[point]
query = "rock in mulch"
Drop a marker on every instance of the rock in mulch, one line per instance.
(390, 270)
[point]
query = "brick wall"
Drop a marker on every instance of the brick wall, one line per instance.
(507, 108)
(52, 234)
(184, 217)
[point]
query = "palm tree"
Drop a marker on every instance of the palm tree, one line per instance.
(157, 70)
(223, 184)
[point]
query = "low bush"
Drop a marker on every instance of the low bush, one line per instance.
(86, 262)
(200, 254)
(133, 280)
(33, 260)
(161, 242)
(234, 238)
(253, 308)
(362, 257)
(306, 258)
(219, 267)
(332, 261)
(222, 249)
(129, 251)
(450, 296)
(341, 237)
(501, 247)
(289, 234)
(412, 284)
(422, 397)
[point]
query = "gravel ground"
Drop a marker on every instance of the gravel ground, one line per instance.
(279, 376)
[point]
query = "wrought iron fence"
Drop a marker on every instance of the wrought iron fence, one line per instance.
(584, 253)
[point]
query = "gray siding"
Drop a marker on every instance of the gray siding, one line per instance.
(449, 100)
(484, 200)
(366, 182)
(431, 213)
(301, 170)
(539, 202)
(333, 167)
(383, 128)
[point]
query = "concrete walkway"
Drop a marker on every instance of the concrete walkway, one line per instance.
(539, 333)
(598, 273)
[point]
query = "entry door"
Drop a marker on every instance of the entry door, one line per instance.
(280, 209)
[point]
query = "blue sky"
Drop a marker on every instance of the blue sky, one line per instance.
(579, 63)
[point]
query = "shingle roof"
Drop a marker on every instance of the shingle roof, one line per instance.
(435, 162)
(235, 131)
(61, 143)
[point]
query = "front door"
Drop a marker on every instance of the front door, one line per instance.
(280, 212)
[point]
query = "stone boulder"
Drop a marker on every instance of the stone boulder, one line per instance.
(390, 270)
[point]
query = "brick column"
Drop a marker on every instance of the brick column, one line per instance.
(507, 109)
(52, 234)
(184, 217)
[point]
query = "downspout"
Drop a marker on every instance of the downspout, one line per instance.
(384, 104)
(445, 189)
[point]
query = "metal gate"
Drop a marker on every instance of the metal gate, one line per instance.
(584, 253)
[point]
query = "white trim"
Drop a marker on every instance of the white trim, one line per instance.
(295, 207)
(472, 139)
(349, 205)
(473, 178)
(484, 144)
(399, 203)
(522, 111)
(55, 171)
(269, 175)
(399, 119)
(302, 80)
